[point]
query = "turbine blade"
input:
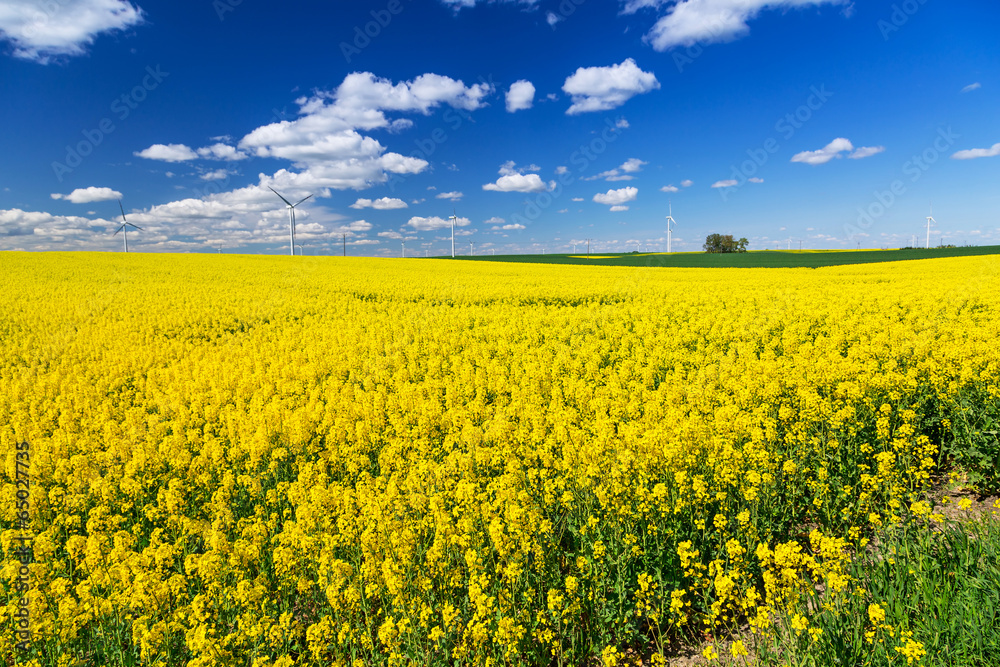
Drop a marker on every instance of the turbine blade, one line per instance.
(118, 230)
(279, 196)
(135, 226)
(301, 200)
(123, 210)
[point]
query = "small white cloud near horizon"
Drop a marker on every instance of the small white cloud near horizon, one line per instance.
(618, 209)
(974, 153)
(617, 197)
(43, 31)
(453, 196)
(972, 86)
(605, 88)
(383, 204)
(89, 195)
(520, 96)
(422, 224)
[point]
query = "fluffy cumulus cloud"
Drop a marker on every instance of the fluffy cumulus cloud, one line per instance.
(836, 149)
(689, 22)
(89, 195)
(45, 231)
(221, 152)
(327, 141)
(513, 179)
(41, 31)
(453, 196)
(520, 96)
(604, 88)
(434, 222)
(168, 153)
(383, 204)
(617, 197)
(670, 188)
(974, 153)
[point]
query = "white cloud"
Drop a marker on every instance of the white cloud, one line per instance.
(604, 88)
(453, 196)
(434, 222)
(633, 165)
(832, 150)
(622, 173)
(687, 183)
(618, 209)
(562, 170)
(495, 220)
(971, 87)
(688, 22)
(755, 179)
(622, 124)
(167, 153)
(383, 204)
(617, 197)
(461, 4)
(577, 198)
(89, 195)
(513, 180)
(974, 153)
(326, 139)
(725, 184)
(866, 151)
(552, 18)
(41, 31)
(670, 188)
(509, 227)
(520, 96)
(221, 152)
(217, 175)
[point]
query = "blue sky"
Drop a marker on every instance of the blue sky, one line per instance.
(538, 123)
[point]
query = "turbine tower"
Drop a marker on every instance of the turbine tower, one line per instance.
(454, 219)
(291, 218)
(670, 232)
(930, 219)
(125, 225)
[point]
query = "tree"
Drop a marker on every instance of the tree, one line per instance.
(724, 243)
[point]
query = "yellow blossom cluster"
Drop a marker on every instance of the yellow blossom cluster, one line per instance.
(297, 461)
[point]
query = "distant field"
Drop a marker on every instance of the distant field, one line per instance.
(755, 259)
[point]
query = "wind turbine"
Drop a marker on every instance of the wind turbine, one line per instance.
(472, 245)
(670, 232)
(402, 252)
(125, 225)
(454, 219)
(930, 219)
(291, 218)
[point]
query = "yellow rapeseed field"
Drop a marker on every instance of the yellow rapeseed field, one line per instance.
(313, 461)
